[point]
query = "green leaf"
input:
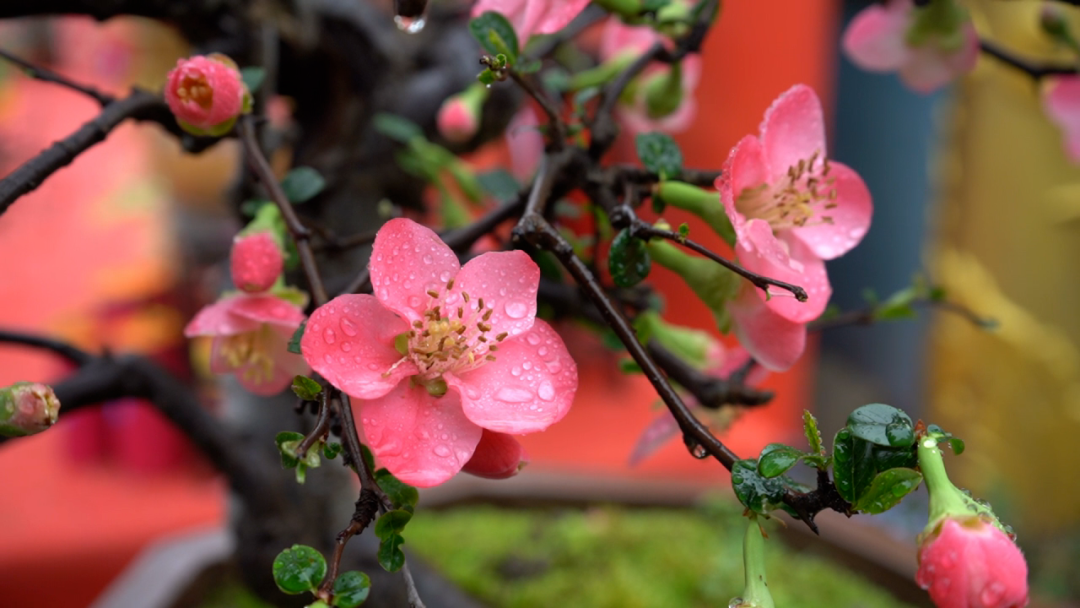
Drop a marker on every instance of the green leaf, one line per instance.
(660, 154)
(955, 443)
(813, 435)
(397, 128)
(351, 589)
(500, 184)
(487, 77)
(651, 6)
(286, 443)
(306, 388)
(888, 489)
(331, 450)
(883, 425)
(890, 458)
(754, 491)
(628, 260)
(253, 77)
(390, 555)
(776, 459)
(853, 465)
(392, 522)
(496, 35)
(294, 342)
(400, 493)
(302, 184)
(299, 569)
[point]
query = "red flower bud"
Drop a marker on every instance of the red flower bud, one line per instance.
(968, 562)
(256, 262)
(27, 408)
(206, 94)
(459, 116)
(497, 456)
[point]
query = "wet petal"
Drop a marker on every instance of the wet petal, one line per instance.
(218, 319)
(407, 260)
(850, 217)
(507, 282)
(422, 440)
(497, 456)
(745, 175)
(793, 130)
(350, 342)
(772, 340)
(529, 386)
(787, 259)
(874, 40)
(557, 15)
(269, 310)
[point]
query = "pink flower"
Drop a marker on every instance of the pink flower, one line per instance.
(251, 338)
(256, 262)
(1061, 100)
(791, 209)
(205, 93)
(531, 17)
(929, 46)
(497, 456)
(456, 123)
(525, 142)
(970, 563)
(442, 353)
(27, 408)
(639, 115)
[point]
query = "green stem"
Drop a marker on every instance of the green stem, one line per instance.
(756, 591)
(946, 500)
(702, 203)
(601, 74)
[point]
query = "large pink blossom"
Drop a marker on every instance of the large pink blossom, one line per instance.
(970, 563)
(251, 337)
(440, 353)
(621, 40)
(791, 209)
(879, 39)
(1061, 100)
(205, 92)
(531, 17)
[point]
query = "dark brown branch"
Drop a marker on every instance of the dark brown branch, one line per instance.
(322, 427)
(1034, 69)
(555, 123)
(710, 391)
(299, 232)
(71, 353)
(869, 315)
(46, 75)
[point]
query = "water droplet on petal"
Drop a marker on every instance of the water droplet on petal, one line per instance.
(414, 301)
(373, 367)
(533, 339)
(542, 351)
(527, 365)
(348, 327)
(444, 276)
(516, 371)
(346, 346)
(472, 393)
(546, 391)
(329, 335)
(516, 309)
(441, 451)
(427, 258)
(512, 394)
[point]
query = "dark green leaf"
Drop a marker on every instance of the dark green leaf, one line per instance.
(813, 435)
(392, 522)
(684, 230)
(658, 203)
(660, 154)
(306, 388)
(286, 442)
(496, 35)
(853, 465)
(882, 424)
(500, 184)
(302, 184)
(253, 77)
(351, 589)
(331, 450)
(628, 260)
(888, 489)
(755, 492)
(397, 128)
(294, 342)
(299, 569)
(891, 458)
(390, 556)
(401, 494)
(776, 459)
(487, 77)
(651, 6)
(957, 445)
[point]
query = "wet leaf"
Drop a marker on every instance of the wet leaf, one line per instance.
(628, 260)
(496, 35)
(299, 569)
(888, 489)
(660, 154)
(883, 425)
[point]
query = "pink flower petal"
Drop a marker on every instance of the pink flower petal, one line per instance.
(350, 342)
(971, 563)
(218, 319)
(793, 130)
(497, 456)
(269, 310)
(774, 342)
(850, 217)
(662, 429)
(529, 386)
(558, 14)
(875, 39)
(618, 38)
(422, 440)
(526, 143)
(407, 260)
(789, 260)
(507, 282)
(745, 172)
(1061, 100)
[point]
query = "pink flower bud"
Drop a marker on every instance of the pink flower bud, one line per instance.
(27, 408)
(497, 456)
(968, 562)
(256, 262)
(456, 122)
(206, 94)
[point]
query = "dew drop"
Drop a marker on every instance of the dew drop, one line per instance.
(411, 25)
(516, 371)
(373, 367)
(993, 593)
(472, 393)
(348, 327)
(441, 451)
(516, 309)
(329, 335)
(414, 301)
(427, 258)
(511, 394)
(554, 367)
(546, 391)
(444, 276)
(542, 351)
(346, 346)
(527, 365)
(533, 339)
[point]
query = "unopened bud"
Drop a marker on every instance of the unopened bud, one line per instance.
(27, 408)
(664, 93)
(256, 262)
(497, 456)
(459, 116)
(206, 94)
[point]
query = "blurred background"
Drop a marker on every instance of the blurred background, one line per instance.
(971, 189)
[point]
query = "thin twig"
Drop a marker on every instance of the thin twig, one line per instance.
(1031, 68)
(410, 588)
(70, 352)
(868, 315)
(322, 427)
(46, 75)
(299, 232)
(558, 129)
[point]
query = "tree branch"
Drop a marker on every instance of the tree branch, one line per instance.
(46, 75)
(1031, 68)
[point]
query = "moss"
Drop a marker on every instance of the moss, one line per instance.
(617, 557)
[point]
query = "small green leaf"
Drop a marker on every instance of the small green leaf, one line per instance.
(776, 459)
(813, 435)
(331, 450)
(390, 555)
(496, 35)
(487, 77)
(286, 442)
(306, 388)
(253, 77)
(299, 569)
(294, 342)
(500, 184)
(891, 458)
(392, 522)
(883, 425)
(755, 492)
(660, 154)
(400, 493)
(351, 589)
(302, 184)
(955, 443)
(853, 465)
(397, 128)
(301, 472)
(888, 489)
(651, 6)
(684, 230)
(628, 261)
